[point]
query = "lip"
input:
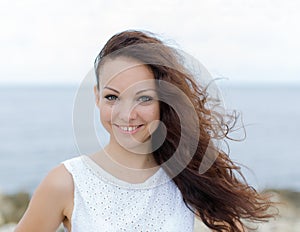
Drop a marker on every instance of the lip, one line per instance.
(127, 131)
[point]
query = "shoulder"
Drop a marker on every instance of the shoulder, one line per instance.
(57, 186)
(59, 180)
(49, 203)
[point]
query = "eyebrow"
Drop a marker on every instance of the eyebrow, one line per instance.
(143, 90)
(106, 87)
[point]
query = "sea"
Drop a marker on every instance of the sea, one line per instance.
(37, 133)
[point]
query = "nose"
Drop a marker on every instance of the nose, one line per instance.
(126, 111)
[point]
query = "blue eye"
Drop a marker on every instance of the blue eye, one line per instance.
(111, 97)
(145, 99)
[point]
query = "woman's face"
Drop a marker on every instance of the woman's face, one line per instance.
(127, 100)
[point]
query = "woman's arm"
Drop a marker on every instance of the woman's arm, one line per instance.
(48, 205)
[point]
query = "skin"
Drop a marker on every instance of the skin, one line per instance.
(119, 105)
(52, 202)
(128, 103)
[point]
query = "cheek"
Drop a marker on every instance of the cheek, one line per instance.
(105, 113)
(150, 113)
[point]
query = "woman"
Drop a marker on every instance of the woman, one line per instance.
(161, 167)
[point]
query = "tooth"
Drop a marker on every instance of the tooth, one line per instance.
(128, 128)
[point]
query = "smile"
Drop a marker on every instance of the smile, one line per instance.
(129, 129)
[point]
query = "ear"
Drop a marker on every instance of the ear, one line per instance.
(97, 95)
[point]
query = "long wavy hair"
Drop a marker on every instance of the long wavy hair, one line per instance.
(220, 195)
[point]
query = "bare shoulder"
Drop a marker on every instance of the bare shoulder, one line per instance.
(60, 180)
(49, 203)
(58, 183)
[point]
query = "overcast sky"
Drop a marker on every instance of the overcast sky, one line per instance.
(57, 41)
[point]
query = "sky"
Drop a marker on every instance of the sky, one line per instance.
(56, 42)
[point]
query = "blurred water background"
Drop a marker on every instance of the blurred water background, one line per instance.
(36, 133)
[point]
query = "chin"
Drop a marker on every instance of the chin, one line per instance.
(135, 146)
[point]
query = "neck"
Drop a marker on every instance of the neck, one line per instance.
(137, 158)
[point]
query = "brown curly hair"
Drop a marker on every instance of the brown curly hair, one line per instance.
(220, 196)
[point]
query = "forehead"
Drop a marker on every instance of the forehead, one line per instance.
(124, 72)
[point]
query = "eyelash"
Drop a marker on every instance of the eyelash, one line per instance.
(112, 98)
(108, 97)
(147, 97)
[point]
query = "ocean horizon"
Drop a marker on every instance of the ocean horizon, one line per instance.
(37, 133)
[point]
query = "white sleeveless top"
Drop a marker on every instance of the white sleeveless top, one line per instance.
(105, 203)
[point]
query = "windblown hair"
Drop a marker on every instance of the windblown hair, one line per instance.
(220, 195)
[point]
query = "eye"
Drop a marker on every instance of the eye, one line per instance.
(145, 98)
(111, 97)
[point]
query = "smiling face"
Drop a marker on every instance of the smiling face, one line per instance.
(127, 100)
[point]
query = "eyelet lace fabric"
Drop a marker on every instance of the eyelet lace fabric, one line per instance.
(105, 203)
